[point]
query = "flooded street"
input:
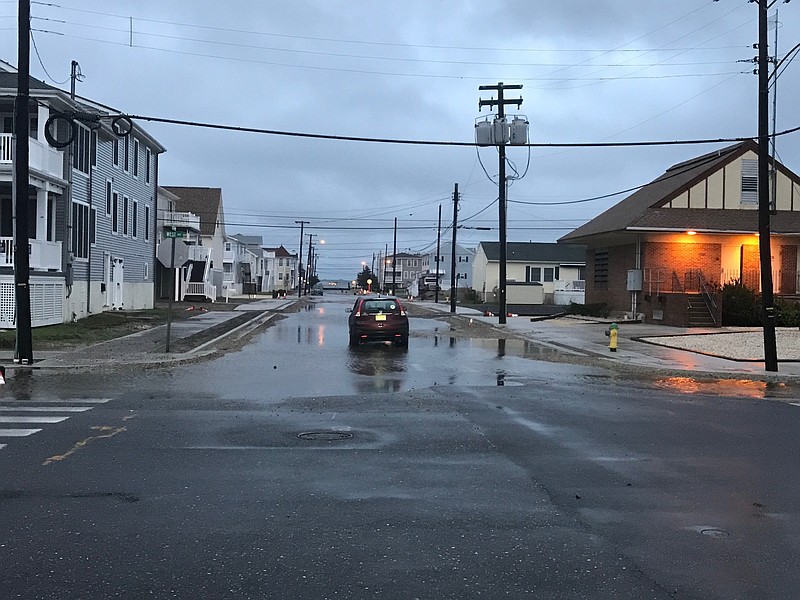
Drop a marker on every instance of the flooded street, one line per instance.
(461, 466)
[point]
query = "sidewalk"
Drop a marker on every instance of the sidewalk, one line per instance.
(148, 347)
(585, 337)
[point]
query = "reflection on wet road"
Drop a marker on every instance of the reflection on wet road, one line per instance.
(307, 355)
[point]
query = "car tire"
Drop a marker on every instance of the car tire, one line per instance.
(402, 342)
(354, 341)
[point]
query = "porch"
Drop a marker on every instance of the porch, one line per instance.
(43, 255)
(42, 157)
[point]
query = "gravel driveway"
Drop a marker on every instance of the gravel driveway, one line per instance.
(739, 345)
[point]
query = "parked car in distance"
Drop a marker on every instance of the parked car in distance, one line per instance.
(316, 291)
(378, 318)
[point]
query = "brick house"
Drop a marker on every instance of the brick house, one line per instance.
(663, 252)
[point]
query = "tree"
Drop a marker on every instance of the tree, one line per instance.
(365, 274)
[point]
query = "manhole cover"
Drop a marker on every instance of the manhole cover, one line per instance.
(325, 436)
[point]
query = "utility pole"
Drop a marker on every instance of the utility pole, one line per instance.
(394, 260)
(765, 254)
(438, 251)
(501, 146)
(23, 351)
(300, 273)
(308, 266)
(453, 280)
(385, 287)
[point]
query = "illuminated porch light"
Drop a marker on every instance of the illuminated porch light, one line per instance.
(690, 232)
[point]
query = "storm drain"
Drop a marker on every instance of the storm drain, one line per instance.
(325, 436)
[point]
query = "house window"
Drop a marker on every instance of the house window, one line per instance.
(108, 197)
(114, 212)
(280, 262)
(147, 165)
(227, 246)
(146, 274)
(81, 230)
(124, 215)
(750, 182)
(601, 269)
(135, 158)
(582, 274)
(533, 274)
(135, 219)
(548, 274)
(115, 152)
(280, 276)
(80, 150)
(146, 222)
(126, 154)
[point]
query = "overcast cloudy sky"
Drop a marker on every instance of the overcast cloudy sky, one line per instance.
(591, 71)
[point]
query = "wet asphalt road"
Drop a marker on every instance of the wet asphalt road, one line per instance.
(300, 468)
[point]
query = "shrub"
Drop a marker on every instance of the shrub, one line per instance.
(788, 313)
(740, 305)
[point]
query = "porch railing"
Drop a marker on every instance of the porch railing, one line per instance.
(41, 156)
(201, 288)
(43, 255)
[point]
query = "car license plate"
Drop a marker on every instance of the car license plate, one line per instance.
(380, 317)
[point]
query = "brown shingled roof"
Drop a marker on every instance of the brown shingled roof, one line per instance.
(201, 201)
(641, 210)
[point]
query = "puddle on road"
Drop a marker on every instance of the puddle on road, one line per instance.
(704, 386)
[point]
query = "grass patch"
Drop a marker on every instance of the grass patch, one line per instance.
(94, 328)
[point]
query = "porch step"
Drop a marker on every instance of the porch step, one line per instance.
(699, 315)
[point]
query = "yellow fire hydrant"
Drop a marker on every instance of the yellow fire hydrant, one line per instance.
(613, 334)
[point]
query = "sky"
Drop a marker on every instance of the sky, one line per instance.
(591, 71)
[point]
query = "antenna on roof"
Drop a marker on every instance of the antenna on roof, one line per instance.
(75, 75)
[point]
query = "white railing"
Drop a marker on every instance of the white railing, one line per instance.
(179, 219)
(41, 156)
(201, 288)
(43, 255)
(199, 253)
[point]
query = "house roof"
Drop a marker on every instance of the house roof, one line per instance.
(537, 252)
(280, 252)
(248, 240)
(201, 201)
(643, 209)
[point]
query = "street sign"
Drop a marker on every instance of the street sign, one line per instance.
(175, 234)
(173, 254)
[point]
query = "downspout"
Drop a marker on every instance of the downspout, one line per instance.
(89, 250)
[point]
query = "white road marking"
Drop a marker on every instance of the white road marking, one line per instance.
(60, 400)
(45, 408)
(32, 419)
(18, 432)
(2, 446)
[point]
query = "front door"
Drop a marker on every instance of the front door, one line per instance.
(117, 280)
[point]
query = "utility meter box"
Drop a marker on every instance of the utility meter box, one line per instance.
(635, 280)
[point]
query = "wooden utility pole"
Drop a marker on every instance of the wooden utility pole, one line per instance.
(438, 253)
(23, 351)
(301, 274)
(501, 146)
(453, 278)
(765, 253)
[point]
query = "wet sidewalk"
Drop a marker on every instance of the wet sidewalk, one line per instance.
(585, 337)
(189, 340)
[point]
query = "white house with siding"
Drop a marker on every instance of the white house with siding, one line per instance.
(92, 209)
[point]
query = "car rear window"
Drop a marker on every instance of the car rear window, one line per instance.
(378, 306)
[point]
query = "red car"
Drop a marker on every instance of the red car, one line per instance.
(378, 318)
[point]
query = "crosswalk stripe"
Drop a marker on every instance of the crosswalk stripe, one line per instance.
(17, 432)
(32, 419)
(45, 408)
(59, 400)
(2, 446)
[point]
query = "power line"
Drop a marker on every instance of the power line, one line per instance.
(351, 138)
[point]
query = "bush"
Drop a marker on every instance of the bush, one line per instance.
(788, 313)
(740, 305)
(599, 309)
